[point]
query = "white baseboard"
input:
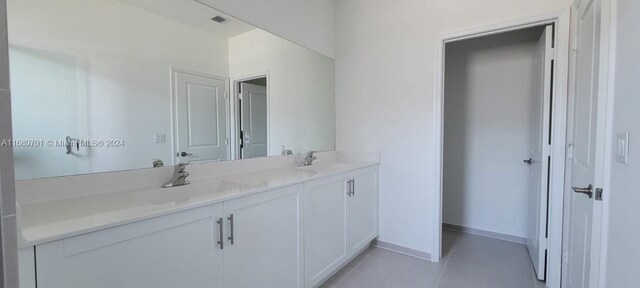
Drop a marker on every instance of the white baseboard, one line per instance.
(402, 249)
(495, 235)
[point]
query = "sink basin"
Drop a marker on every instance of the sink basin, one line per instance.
(325, 167)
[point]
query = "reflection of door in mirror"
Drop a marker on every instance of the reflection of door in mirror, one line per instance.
(201, 118)
(253, 118)
(52, 87)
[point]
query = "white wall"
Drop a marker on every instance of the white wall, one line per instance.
(624, 231)
(8, 233)
(487, 131)
(115, 67)
(310, 23)
(384, 95)
(301, 89)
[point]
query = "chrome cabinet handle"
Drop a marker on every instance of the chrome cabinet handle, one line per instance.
(353, 187)
(221, 227)
(231, 228)
(587, 190)
(351, 184)
(349, 187)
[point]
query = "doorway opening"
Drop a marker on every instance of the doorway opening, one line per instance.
(250, 120)
(500, 109)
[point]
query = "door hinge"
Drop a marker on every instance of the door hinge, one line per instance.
(574, 44)
(599, 194)
(226, 95)
(226, 141)
(547, 150)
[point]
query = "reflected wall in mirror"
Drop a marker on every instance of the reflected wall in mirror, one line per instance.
(107, 85)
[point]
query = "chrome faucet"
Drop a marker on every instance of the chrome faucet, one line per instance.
(179, 176)
(308, 160)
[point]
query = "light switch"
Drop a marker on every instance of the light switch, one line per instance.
(622, 155)
(160, 138)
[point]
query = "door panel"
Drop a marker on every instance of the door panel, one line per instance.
(325, 227)
(267, 237)
(176, 250)
(254, 120)
(583, 139)
(362, 207)
(540, 153)
(201, 118)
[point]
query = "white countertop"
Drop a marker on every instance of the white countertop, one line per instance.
(47, 221)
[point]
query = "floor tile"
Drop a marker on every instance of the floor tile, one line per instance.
(377, 268)
(443, 283)
(471, 261)
(464, 275)
(356, 279)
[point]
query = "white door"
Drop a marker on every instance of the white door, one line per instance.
(584, 140)
(201, 118)
(540, 153)
(325, 227)
(50, 101)
(254, 120)
(362, 207)
(264, 233)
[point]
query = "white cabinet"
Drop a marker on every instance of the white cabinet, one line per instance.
(362, 209)
(264, 234)
(340, 217)
(325, 202)
(177, 250)
(290, 237)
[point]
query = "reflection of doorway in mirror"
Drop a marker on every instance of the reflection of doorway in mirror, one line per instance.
(251, 117)
(49, 103)
(200, 123)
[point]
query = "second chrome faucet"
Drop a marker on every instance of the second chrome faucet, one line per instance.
(179, 176)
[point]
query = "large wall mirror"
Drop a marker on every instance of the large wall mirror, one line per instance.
(107, 85)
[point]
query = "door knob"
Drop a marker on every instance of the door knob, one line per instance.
(587, 190)
(529, 161)
(185, 154)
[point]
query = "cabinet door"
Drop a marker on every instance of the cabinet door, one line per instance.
(325, 227)
(177, 250)
(264, 247)
(362, 209)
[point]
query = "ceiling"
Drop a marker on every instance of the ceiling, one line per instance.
(194, 14)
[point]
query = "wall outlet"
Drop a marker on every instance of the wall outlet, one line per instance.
(160, 138)
(622, 154)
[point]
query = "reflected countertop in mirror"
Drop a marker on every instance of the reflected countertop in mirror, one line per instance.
(109, 85)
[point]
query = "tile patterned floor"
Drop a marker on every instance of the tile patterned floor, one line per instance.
(470, 262)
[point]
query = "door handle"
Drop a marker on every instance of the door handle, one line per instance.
(231, 229)
(221, 227)
(185, 154)
(528, 162)
(587, 190)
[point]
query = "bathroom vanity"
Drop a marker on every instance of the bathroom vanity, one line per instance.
(276, 227)
(108, 96)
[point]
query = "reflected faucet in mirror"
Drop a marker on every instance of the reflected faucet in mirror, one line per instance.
(179, 176)
(308, 160)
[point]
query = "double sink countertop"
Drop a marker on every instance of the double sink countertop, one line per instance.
(52, 220)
